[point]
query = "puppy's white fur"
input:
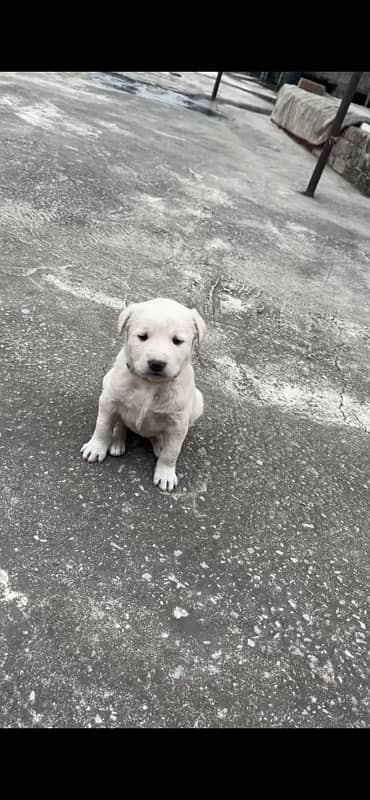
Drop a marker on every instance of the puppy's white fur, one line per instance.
(161, 406)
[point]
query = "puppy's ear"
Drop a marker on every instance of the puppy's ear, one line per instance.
(200, 325)
(124, 317)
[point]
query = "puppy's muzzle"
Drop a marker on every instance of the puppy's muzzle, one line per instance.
(157, 367)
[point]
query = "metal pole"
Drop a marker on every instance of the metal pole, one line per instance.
(333, 133)
(215, 88)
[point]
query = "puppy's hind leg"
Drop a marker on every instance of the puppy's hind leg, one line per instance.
(118, 444)
(198, 407)
(157, 444)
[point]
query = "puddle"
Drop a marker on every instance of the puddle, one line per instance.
(156, 93)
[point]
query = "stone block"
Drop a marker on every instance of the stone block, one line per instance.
(363, 183)
(339, 165)
(343, 148)
(355, 134)
(361, 159)
(311, 86)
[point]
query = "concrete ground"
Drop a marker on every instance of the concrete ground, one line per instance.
(115, 190)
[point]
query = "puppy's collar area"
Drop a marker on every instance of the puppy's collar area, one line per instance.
(152, 378)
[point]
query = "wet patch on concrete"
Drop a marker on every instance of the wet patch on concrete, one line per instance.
(144, 90)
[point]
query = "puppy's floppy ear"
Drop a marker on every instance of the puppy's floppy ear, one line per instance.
(200, 325)
(124, 317)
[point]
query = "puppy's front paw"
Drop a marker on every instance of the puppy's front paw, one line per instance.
(117, 448)
(165, 478)
(94, 450)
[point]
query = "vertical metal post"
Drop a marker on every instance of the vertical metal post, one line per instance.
(215, 88)
(333, 133)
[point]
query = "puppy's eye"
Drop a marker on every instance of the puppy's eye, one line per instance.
(142, 336)
(177, 341)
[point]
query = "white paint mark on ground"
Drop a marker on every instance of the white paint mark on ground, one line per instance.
(203, 193)
(7, 595)
(232, 305)
(156, 203)
(318, 401)
(177, 673)
(48, 116)
(175, 580)
(198, 492)
(169, 135)
(84, 293)
(218, 244)
(20, 218)
(36, 718)
(180, 612)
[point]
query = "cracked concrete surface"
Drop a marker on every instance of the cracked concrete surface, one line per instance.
(242, 599)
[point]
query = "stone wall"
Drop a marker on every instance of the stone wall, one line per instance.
(350, 157)
(341, 79)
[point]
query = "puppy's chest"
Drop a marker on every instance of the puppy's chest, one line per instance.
(145, 414)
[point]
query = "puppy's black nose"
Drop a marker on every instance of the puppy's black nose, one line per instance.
(156, 366)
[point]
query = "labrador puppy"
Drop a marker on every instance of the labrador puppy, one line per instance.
(150, 388)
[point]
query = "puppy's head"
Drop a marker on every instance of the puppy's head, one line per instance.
(160, 335)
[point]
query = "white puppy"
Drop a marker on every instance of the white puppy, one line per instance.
(150, 388)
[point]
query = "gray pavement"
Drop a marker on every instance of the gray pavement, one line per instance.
(107, 194)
